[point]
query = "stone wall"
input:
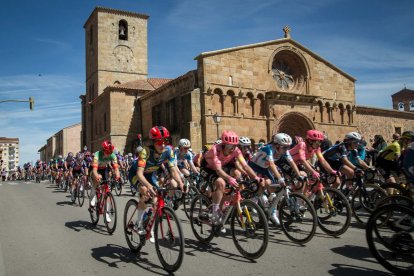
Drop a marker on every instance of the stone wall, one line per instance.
(385, 122)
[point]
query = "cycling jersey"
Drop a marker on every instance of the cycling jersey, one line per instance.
(100, 160)
(183, 157)
(355, 155)
(215, 157)
(391, 152)
(408, 162)
(267, 154)
(336, 153)
(301, 152)
(150, 163)
(79, 165)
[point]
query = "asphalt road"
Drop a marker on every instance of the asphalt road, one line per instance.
(42, 233)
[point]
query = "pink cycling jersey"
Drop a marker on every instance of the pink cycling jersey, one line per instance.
(216, 159)
(301, 152)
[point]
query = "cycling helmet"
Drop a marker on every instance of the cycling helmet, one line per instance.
(51, 160)
(352, 136)
(79, 156)
(218, 142)
(87, 153)
(244, 141)
(282, 139)
(409, 135)
(129, 154)
(107, 147)
(229, 137)
(60, 157)
(158, 132)
(70, 154)
(184, 143)
(314, 134)
(116, 152)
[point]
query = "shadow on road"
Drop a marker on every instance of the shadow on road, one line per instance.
(192, 246)
(79, 225)
(63, 203)
(354, 252)
(112, 254)
(346, 270)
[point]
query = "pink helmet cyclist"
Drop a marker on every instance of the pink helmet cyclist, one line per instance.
(315, 135)
(229, 137)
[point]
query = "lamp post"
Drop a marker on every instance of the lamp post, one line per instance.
(217, 120)
(30, 101)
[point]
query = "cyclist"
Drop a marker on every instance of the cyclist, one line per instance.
(387, 160)
(101, 160)
(407, 156)
(79, 167)
(67, 167)
(337, 156)
(264, 163)
(214, 168)
(304, 150)
(185, 158)
(144, 170)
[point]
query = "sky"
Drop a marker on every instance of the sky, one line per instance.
(42, 52)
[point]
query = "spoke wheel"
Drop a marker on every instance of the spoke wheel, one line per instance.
(199, 219)
(297, 218)
(94, 213)
(118, 187)
(131, 234)
(251, 238)
(188, 198)
(88, 187)
(333, 219)
(363, 204)
(392, 243)
(81, 194)
(169, 240)
(110, 216)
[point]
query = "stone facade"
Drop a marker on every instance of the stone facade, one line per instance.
(256, 90)
(61, 143)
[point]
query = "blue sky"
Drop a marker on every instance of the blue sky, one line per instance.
(42, 48)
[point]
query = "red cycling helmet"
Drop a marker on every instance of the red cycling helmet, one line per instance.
(159, 132)
(107, 147)
(314, 134)
(229, 137)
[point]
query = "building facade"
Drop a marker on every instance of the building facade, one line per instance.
(403, 100)
(256, 90)
(62, 142)
(9, 153)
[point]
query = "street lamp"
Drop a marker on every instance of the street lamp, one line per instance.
(217, 120)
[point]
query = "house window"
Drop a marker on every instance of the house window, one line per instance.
(411, 105)
(172, 121)
(401, 106)
(104, 121)
(156, 115)
(123, 30)
(91, 35)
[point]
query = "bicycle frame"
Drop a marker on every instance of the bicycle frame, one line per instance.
(100, 195)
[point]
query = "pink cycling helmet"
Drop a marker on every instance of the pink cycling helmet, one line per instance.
(229, 137)
(314, 134)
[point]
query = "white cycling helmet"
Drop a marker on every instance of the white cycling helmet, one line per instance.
(244, 141)
(184, 143)
(353, 136)
(282, 139)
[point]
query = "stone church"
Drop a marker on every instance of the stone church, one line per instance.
(256, 90)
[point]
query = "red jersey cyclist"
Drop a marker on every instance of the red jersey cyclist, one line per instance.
(213, 168)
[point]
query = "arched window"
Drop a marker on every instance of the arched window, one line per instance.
(123, 30)
(401, 106)
(262, 105)
(411, 105)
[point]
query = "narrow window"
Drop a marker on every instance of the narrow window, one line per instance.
(123, 30)
(104, 119)
(411, 105)
(91, 35)
(401, 106)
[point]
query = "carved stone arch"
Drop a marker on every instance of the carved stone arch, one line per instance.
(290, 69)
(341, 112)
(250, 100)
(217, 101)
(294, 124)
(117, 82)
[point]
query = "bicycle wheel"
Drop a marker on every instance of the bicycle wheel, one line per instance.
(365, 201)
(117, 187)
(333, 219)
(188, 198)
(134, 240)
(169, 240)
(94, 213)
(110, 216)
(297, 218)
(88, 188)
(81, 194)
(392, 243)
(199, 219)
(249, 237)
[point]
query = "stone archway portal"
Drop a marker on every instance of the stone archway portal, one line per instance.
(294, 124)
